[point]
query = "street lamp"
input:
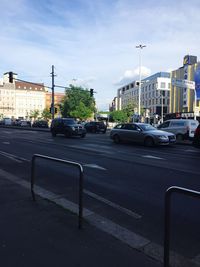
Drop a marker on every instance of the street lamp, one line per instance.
(195, 103)
(140, 74)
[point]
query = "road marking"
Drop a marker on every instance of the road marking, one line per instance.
(128, 237)
(151, 157)
(13, 157)
(6, 143)
(191, 150)
(95, 166)
(113, 205)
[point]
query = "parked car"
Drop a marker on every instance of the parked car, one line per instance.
(16, 122)
(196, 139)
(40, 124)
(68, 127)
(182, 128)
(24, 123)
(95, 127)
(141, 133)
(7, 121)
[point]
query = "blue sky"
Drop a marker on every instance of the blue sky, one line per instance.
(94, 41)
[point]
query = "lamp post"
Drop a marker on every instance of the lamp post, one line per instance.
(161, 96)
(140, 46)
(195, 103)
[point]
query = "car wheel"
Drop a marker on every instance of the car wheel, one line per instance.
(179, 137)
(83, 135)
(104, 131)
(116, 139)
(53, 133)
(149, 142)
(93, 130)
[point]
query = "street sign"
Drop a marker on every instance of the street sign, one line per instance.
(183, 83)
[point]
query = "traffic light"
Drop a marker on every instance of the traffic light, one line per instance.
(10, 77)
(91, 92)
(56, 110)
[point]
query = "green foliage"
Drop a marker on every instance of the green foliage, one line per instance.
(34, 114)
(81, 112)
(78, 103)
(124, 115)
(46, 115)
(119, 116)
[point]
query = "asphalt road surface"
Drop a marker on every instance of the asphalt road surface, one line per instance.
(125, 183)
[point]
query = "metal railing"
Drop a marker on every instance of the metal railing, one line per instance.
(75, 164)
(169, 192)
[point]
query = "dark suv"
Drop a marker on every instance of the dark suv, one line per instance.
(95, 127)
(68, 127)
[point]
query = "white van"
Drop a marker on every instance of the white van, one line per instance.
(7, 121)
(182, 128)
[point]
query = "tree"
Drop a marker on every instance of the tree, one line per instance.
(119, 116)
(78, 103)
(81, 112)
(46, 115)
(129, 110)
(34, 114)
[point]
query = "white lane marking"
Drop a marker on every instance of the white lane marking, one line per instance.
(13, 157)
(151, 157)
(134, 240)
(95, 166)
(191, 150)
(113, 205)
(6, 143)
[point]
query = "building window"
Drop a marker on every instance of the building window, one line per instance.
(162, 85)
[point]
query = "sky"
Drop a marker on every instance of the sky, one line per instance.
(93, 43)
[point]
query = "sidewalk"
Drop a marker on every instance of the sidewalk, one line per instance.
(39, 234)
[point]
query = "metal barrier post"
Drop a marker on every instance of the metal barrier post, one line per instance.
(75, 164)
(170, 190)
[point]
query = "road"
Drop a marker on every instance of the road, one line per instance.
(125, 183)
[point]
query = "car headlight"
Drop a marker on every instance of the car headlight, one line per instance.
(163, 137)
(73, 128)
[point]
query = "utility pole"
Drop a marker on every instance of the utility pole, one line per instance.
(140, 76)
(162, 107)
(52, 88)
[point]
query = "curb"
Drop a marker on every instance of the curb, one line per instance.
(134, 240)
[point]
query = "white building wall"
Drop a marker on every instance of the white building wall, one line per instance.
(152, 91)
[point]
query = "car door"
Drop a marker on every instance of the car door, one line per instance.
(164, 126)
(130, 132)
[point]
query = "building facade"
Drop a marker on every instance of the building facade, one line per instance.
(185, 87)
(58, 98)
(154, 95)
(19, 99)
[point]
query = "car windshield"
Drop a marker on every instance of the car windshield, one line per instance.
(147, 127)
(69, 121)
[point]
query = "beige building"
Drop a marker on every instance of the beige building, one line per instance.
(185, 87)
(19, 99)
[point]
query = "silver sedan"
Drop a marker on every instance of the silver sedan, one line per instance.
(141, 133)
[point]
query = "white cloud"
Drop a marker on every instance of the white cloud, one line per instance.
(132, 75)
(84, 39)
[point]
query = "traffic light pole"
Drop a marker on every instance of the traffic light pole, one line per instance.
(53, 86)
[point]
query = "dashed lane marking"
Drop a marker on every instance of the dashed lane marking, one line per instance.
(152, 157)
(95, 166)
